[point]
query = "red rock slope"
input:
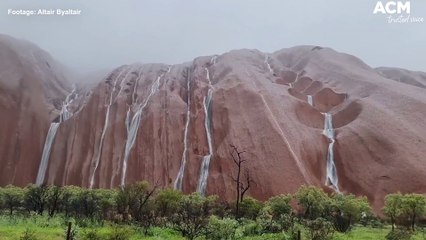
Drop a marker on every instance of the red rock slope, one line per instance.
(32, 88)
(134, 125)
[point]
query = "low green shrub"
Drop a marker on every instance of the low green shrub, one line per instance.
(399, 234)
(221, 229)
(250, 208)
(319, 229)
(73, 232)
(120, 233)
(28, 235)
(90, 234)
(251, 228)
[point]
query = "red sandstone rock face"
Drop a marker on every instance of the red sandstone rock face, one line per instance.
(379, 124)
(31, 90)
(414, 78)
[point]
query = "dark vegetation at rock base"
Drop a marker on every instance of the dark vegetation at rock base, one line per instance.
(309, 213)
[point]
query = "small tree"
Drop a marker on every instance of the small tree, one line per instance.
(393, 207)
(71, 200)
(277, 214)
(404, 210)
(192, 215)
(13, 198)
(106, 199)
(347, 210)
(133, 198)
(319, 229)
(89, 203)
(242, 181)
(279, 205)
(414, 207)
(221, 229)
(166, 203)
(313, 200)
(35, 198)
(53, 199)
(250, 208)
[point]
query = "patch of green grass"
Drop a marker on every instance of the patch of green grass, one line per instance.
(45, 228)
(15, 232)
(13, 227)
(363, 233)
(136, 233)
(368, 233)
(164, 233)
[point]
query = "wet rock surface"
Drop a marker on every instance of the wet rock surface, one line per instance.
(148, 122)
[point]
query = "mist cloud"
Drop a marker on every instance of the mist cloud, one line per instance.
(112, 33)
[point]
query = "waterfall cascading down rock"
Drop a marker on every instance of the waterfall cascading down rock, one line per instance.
(310, 100)
(133, 125)
(213, 60)
(98, 151)
(299, 163)
(202, 183)
(64, 115)
(331, 171)
(46, 153)
(268, 65)
(179, 178)
(331, 174)
(204, 171)
(65, 112)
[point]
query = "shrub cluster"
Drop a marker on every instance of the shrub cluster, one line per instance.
(404, 210)
(145, 206)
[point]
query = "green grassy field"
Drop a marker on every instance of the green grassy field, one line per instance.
(363, 233)
(43, 228)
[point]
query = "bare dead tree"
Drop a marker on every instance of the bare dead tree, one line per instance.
(244, 186)
(242, 181)
(144, 198)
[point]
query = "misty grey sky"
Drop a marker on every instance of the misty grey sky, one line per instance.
(110, 33)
